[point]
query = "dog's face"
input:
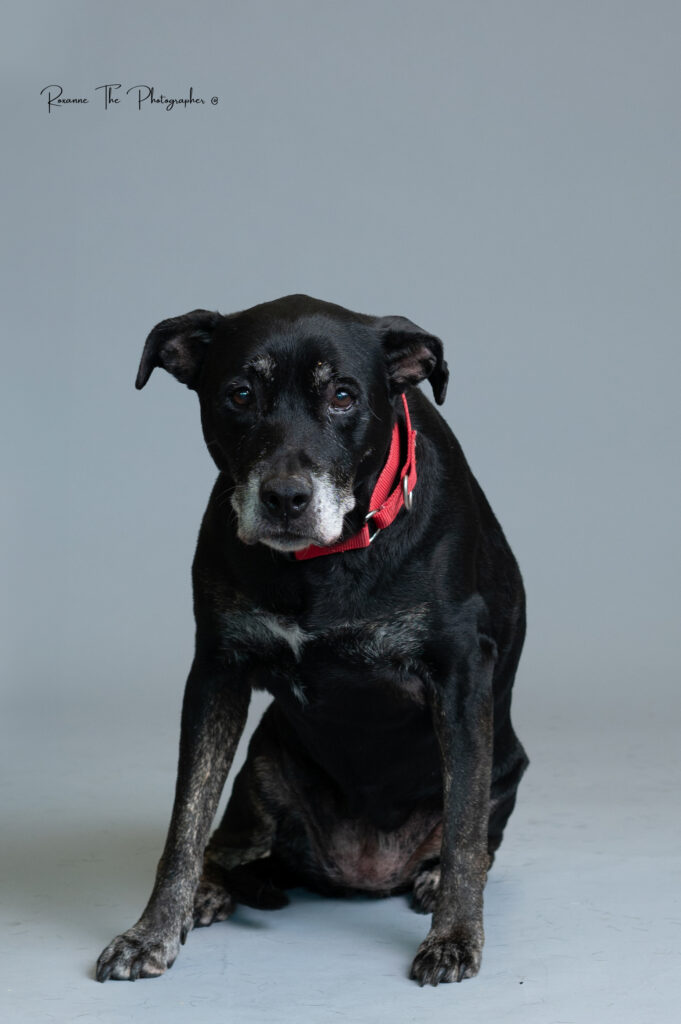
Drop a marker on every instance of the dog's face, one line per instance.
(295, 411)
(296, 405)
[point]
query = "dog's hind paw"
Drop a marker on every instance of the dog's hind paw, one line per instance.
(212, 903)
(220, 890)
(137, 953)
(424, 893)
(446, 958)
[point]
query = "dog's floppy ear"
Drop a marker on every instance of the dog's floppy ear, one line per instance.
(412, 355)
(178, 345)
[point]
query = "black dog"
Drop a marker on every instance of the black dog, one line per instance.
(354, 569)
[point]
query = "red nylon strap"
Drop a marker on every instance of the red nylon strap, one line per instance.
(385, 504)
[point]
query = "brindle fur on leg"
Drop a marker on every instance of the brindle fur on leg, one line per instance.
(213, 717)
(462, 715)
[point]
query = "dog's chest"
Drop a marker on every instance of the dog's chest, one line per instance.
(385, 645)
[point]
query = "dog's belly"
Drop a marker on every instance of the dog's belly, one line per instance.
(359, 737)
(356, 827)
(354, 855)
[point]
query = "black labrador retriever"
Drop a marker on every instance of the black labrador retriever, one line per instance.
(348, 563)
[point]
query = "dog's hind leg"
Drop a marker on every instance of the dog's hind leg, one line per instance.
(219, 890)
(237, 866)
(509, 758)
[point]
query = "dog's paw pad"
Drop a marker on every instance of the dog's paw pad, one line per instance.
(212, 903)
(446, 959)
(136, 954)
(425, 889)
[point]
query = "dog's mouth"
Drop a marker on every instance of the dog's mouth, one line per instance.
(288, 541)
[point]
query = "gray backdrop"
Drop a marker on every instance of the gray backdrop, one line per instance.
(504, 173)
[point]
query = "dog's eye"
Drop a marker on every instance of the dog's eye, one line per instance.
(242, 396)
(341, 400)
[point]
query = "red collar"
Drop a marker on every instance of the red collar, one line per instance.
(385, 504)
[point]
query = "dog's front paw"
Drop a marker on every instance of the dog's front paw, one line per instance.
(448, 958)
(138, 953)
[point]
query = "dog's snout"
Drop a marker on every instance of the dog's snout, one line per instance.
(286, 497)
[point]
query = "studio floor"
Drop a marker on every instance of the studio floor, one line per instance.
(583, 907)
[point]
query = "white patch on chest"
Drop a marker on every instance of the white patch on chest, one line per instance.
(263, 630)
(376, 639)
(370, 642)
(287, 630)
(397, 636)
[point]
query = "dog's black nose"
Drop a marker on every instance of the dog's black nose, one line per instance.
(285, 497)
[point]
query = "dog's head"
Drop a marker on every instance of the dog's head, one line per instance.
(296, 405)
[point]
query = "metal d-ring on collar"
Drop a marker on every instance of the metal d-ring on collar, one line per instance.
(368, 516)
(408, 502)
(408, 495)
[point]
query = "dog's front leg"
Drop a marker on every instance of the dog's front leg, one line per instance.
(213, 716)
(462, 713)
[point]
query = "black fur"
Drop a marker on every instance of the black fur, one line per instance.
(387, 761)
